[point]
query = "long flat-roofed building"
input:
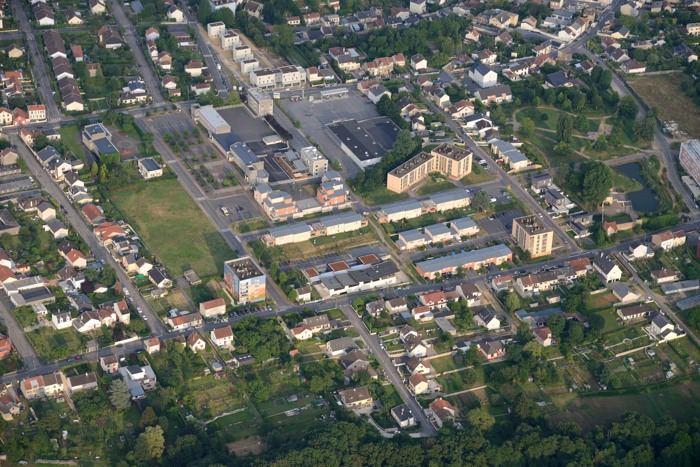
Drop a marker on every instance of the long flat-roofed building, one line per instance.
(451, 161)
(689, 158)
(473, 259)
(211, 120)
(532, 235)
(364, 141)
(244, 280)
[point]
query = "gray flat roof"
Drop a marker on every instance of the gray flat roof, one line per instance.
(149, 164)
(463, 223)
(459, 259)
(291, 229)
(401, 206)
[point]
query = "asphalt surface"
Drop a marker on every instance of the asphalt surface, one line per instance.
(75, 218)
(147, 73)
(209, 56)
(39, 69)
(19, 339)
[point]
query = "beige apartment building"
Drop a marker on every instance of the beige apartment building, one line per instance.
(532, 234)
(452, 162)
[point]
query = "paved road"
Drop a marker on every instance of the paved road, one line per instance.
(19, 340)
(203, 43)
(149, 77)
(100, 253)
(390, 370)
(39, 69)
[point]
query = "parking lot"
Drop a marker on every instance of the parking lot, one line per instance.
(314, 115)
(171, 123)
(240, 207)
(499, 223)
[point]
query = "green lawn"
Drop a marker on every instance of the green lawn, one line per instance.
(55, 345)
(70, 136)
(624, 183)
(477, 175)
(173, 227)
(433, 186)
(383, 196)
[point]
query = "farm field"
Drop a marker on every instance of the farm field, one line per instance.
(164, 214)
(664, 92)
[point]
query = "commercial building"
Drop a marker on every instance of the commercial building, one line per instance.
(452, 162)
(474, 259)
(689, 158)
(244, 280)
(532, 235)
(98, 139)
(210, 119)
(260, 103)
(356, 279)
(395, 212)
(331, 225)
(364, 141)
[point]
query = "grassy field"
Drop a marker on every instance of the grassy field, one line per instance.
(679, 401)
(173, 227)
(664, 92)
(434, 186)
(55, 345)
(623, 183)
(326, 245)
(477, 175)
(383, 196)
(70, 137)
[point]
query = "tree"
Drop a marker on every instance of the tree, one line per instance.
(150, 444)
(628, 108)
(119, 395)
(565, 126)
(103, 175)
(94, 170)
(480, 419)
(581, 123)
(148, 417)
(644, 128)
(512, 302)
(203, 11)
(527, 126)
(481, 201)
(556, 323)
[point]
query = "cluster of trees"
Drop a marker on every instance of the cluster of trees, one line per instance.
(525, 360)
(444, 34)
(590, 182)
(635, 440)
(263, 338)
(373, 178)
(387, 107)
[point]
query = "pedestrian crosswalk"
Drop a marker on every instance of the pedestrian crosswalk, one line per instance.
(200, 198)
(283, 308)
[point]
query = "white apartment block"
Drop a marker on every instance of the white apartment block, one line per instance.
(689, 158)
(230, 39)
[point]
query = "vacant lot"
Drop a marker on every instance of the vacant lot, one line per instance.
(173, 227)
(664, 92)
(678, 401)
(55, 345)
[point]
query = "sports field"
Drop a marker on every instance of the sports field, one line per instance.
(173, 227)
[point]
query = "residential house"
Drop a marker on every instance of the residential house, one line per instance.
(607, 268)
(81, 383)
(5, 347)
(213, 308)
(492, 349)
(664, 275)
(543, 336)
(623, 293)
(185, 321)
(356, 398)
(419, 384)
(487, 318)
(109, 37)
(633, 313)
(93, 214)
(10, 403)
(403, 416)
(638, 250)
(139, 379)
(109, 364)
(152, 345)
(396, 305)
(407, 332)
(441, 411)
(470, 293)
(195, 342)
(417, 366)
(663, 330)
(341, 346)
(669, 240)
(483, 75)
(415, 347)
(97, 7)
(42, 386)
(222, 337)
